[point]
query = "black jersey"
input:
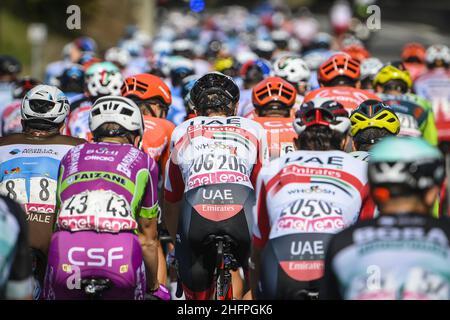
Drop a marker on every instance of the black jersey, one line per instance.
(402, 257)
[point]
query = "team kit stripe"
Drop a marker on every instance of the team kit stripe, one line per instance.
(287, 176)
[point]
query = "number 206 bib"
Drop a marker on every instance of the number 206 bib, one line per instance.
(102, 211)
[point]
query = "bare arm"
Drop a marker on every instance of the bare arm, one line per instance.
(148, 237)
(171, 214)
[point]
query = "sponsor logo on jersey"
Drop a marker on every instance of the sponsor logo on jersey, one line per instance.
(88, 176)
(312, 189)
(128, 161)
(14, 152)
(217, 177)
(39, 151)
(99, 158)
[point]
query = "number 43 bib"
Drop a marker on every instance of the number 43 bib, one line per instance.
(102, 211)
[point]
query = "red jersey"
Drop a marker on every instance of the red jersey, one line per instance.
(349, 97)
(280, 135)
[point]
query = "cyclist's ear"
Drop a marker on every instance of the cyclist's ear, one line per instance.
(354, 146)
(430, 196)
(137, 142)
(345, 143)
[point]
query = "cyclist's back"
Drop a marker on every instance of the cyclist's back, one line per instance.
(210, 179)
(303, 198)
(29, 164)
(103, 189)
(401, 255)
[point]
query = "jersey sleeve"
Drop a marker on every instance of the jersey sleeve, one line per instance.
(173, 182)
(20, 283)
(150, 206)
(262, 157)
(261, 226)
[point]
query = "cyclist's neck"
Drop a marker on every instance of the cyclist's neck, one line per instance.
(402, 206)
(116, 140)
(42, 133)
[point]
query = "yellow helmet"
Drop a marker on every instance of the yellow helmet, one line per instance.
(223, 64)
(389, 73)
(374, 114)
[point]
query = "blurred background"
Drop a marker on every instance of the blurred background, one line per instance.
(107, 21)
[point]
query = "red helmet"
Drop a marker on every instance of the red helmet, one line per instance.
(273, 89)
(340, 64)
(413, 51)
(145, 87)
(357, 52)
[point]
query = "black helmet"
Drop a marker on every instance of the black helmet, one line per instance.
(22, 86)
(214, 83)
(72, 79)
(9, 65)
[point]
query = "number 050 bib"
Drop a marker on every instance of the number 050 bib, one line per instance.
(103, 211)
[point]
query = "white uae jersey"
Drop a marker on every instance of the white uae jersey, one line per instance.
(310, 192)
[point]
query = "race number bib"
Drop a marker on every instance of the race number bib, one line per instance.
(408, 125)
(42, 195)
(102, 211)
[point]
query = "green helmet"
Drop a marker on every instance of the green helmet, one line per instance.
(405, 165)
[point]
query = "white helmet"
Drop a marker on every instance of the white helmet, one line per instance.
(118, 55)
(119, 110)
(438, 52)
(47, 103)
(370, 67)
(292, 69)
(103, 79)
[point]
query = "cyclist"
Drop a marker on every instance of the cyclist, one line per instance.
(16, 281)
(294, 70)
(209, 182)
(369, 69)
(252, 72)
(107, 191)
(10, 69)
(101, 79)
(434, 85)
(371, 122)
(188, 83)
(413, 57)
(415, 113)
(273, 99)
(302, 199)
(339, 79)
(153, 97)
(357, 52)
(180, 68)
(11, 118)
(29, 166)
(404, 247)
(71, 82)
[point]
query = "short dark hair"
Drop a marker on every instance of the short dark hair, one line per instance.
(215, 102)
(366, 138)
(320, 138)
(110, 129)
